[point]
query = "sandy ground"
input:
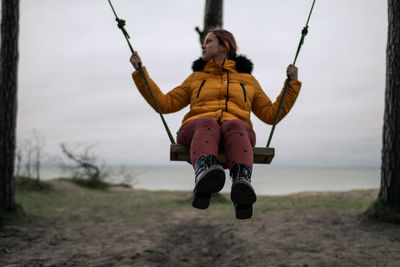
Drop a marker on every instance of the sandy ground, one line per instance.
(189, 237)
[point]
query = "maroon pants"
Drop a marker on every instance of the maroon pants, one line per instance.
(205, 136)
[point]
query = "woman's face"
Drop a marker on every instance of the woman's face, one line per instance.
(212, 49)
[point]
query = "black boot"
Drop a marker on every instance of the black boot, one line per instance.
(242, 193)
(210, 178)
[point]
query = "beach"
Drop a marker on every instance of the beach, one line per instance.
(267, 180)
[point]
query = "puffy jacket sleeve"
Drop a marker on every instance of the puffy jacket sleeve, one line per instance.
(174, 100)
(265, 110)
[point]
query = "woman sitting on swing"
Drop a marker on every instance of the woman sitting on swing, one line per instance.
(221, 92)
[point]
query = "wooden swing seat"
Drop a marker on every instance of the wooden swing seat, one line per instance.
(262, 155)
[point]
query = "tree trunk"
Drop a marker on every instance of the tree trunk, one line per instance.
(212, 17)
(390, 171)
(8, 100)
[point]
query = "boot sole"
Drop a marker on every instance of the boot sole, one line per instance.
(243, 197)
(212, 182)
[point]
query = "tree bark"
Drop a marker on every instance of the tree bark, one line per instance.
(8, 100)
(390, 170)
(212, 17)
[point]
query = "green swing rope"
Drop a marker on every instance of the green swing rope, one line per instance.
(303, 35)
(121, 24)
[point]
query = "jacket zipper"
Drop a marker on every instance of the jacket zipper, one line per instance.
(220, 117)
(244, 92)
(201, 85)
(227, 91)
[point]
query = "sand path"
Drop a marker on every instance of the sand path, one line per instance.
(188, 237)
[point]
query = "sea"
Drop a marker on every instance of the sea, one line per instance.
(266, 179)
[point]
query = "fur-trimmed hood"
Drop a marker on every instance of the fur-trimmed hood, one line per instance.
(243, 64)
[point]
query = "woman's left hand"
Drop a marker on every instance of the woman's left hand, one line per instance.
(291, 72)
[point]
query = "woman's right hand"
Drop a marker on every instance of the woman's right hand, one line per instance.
(135, 60)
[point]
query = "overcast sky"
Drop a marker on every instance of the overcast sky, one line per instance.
(75, 77)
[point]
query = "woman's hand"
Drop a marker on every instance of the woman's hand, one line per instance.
(135, 60)
(291, 72)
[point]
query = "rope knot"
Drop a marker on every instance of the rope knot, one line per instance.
(304, 31)
(121, 23)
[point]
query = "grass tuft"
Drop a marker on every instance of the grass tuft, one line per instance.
(92, 183)
(29, 184)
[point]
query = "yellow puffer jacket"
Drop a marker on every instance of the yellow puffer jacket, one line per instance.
(223, 91)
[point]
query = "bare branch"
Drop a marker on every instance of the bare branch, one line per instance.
(86, 165)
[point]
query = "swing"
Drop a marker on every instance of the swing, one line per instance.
(262, 155)
(178, 152)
